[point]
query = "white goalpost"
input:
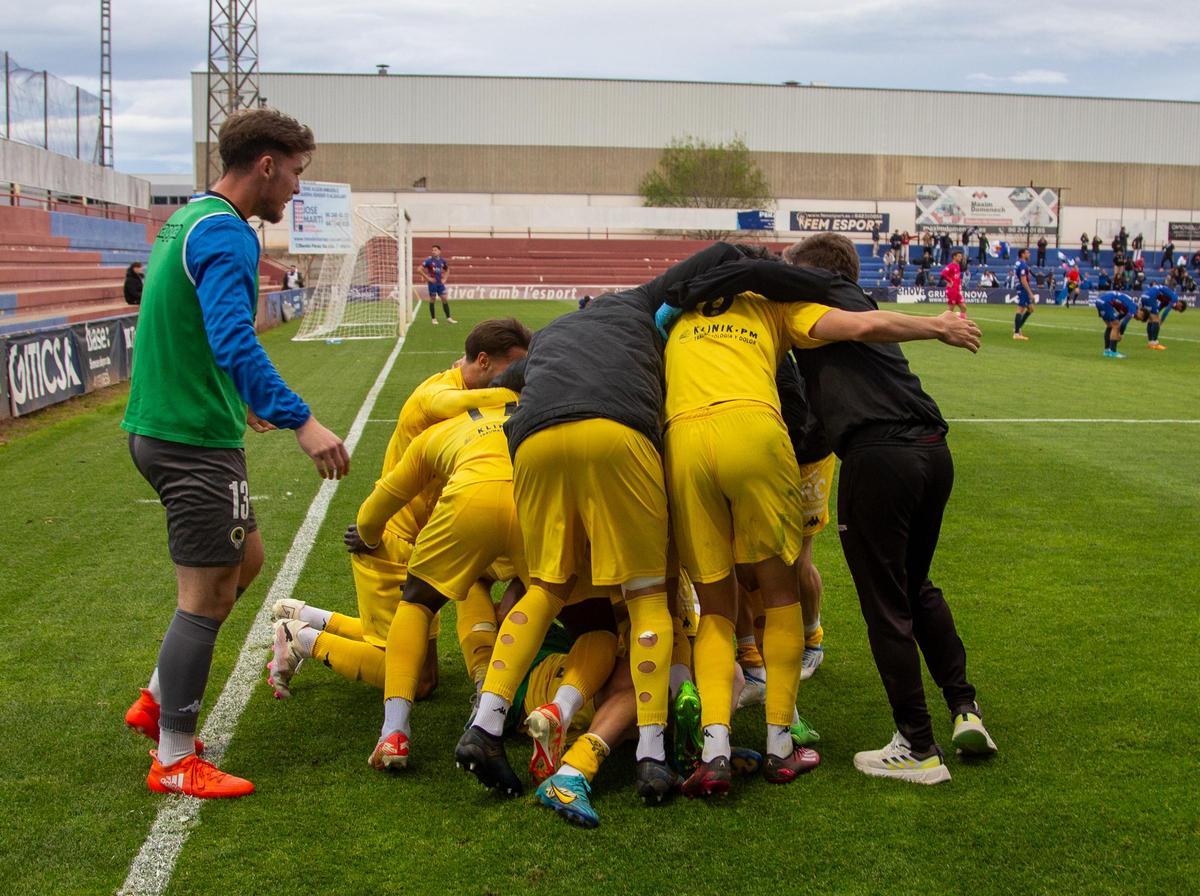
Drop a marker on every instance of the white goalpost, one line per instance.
(367, 293)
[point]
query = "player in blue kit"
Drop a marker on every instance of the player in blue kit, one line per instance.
(434, 269)
(1116, 310)
(1024, 294)
(1156, 303)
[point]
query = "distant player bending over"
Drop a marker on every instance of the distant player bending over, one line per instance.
(1116, 310)
(1156, 303)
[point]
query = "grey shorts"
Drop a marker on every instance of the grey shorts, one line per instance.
(205, 494)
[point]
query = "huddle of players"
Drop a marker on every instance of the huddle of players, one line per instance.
(578, 520)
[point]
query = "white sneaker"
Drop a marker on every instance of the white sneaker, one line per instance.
(896, 760)
(433, 320)
(970, 737)
(755, 691)
(813, 657)
(451, 320)
(286, 608)
(285, 656)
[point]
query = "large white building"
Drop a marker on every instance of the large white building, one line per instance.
(471, 142)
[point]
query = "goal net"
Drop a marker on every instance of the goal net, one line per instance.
(367, 293)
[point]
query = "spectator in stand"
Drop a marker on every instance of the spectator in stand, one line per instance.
(1189, 285)
(897, 278)
(927, 241)
(1039, 277)
(1118, 261)
(1010, 281)
(134, 275)
(1041, 256)
(875, 240)
(1138, 243)
(1138, 282)
(983, 246)
(1083, 248)
(1168, 254)
(1119, 280)
(1123, 240)
(1050, 282)
(889, 261)
(1181, 274)
(293, 279)
(1096, 243)
(926, 261)
(1196, 261)
(1104, 281)
(905, 255)
(987, 280)
(922, 276)
(945, 245)
(896, 241)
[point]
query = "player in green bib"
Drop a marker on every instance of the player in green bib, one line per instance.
(199, 376)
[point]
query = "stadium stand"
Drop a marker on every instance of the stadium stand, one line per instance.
(59, 268)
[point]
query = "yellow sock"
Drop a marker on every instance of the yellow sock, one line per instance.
(783, 650)
(519, 640)
(816, 637)
(748, 654)
(586, 754)
(590, 662)
(408, 640)
(476, 625)
(714, 658)
(351, 659)
(650, 640)
(681, 646)
(345, 627)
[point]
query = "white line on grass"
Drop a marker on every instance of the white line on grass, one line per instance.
(1097, 329)
(154, 864)
(1058, 420)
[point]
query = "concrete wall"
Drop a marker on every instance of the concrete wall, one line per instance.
(30, 166)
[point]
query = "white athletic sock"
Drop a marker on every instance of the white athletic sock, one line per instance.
(679, 674)
(779, 741)
(812, 629)
(651, 742)
(569, 770)
(569, 701)
(154, 688)
(758, 673)
(716, 742)
(175, 745)
(492, 712)
(306, 638)
(316, 617)
(795, 716)
(396, 711)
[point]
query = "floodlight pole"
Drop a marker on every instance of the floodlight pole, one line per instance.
(106, 100)
(232, 75)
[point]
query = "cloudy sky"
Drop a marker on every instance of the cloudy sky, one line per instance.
(1093, 48)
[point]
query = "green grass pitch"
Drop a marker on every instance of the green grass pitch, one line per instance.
(1068, 556)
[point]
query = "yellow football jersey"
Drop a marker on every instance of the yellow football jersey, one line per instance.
(462, 451)
(442, 396)
(729, 350)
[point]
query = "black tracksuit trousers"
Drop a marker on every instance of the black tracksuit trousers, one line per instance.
(891, 496)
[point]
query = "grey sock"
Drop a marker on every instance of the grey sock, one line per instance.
(183, 664)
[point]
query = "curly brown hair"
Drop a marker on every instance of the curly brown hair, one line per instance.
(248, 134)
(830, 251)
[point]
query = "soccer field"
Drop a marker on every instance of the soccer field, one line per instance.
(1068, 555)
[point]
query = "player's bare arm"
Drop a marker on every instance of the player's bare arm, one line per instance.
(328, 453)
(889, 326)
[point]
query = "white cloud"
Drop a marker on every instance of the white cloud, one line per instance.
(1039, 76)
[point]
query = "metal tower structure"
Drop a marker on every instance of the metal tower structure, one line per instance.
(232, 71)
(105, 143)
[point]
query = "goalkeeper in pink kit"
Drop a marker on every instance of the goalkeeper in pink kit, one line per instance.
(952, 273)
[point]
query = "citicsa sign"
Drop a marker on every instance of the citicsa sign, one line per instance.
(42, 370)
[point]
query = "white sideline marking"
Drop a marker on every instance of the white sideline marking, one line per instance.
(1037, 323)
(1058, 420)
(152, 867)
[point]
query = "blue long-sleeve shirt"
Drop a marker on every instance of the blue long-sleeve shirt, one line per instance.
(221, 256)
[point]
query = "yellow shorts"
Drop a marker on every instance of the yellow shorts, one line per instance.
(591, 483)
(734, 487)
(470, 529)
(816, 480)
(544, 679)
(379, 583)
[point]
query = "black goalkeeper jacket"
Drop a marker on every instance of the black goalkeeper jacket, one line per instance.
(605, 361)
(859, 391)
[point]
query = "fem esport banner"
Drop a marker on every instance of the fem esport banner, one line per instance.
(1003, 210)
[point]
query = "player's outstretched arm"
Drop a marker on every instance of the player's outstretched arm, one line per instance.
(328, 453)
(889, 326)
(405, 481)
(449, 402)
